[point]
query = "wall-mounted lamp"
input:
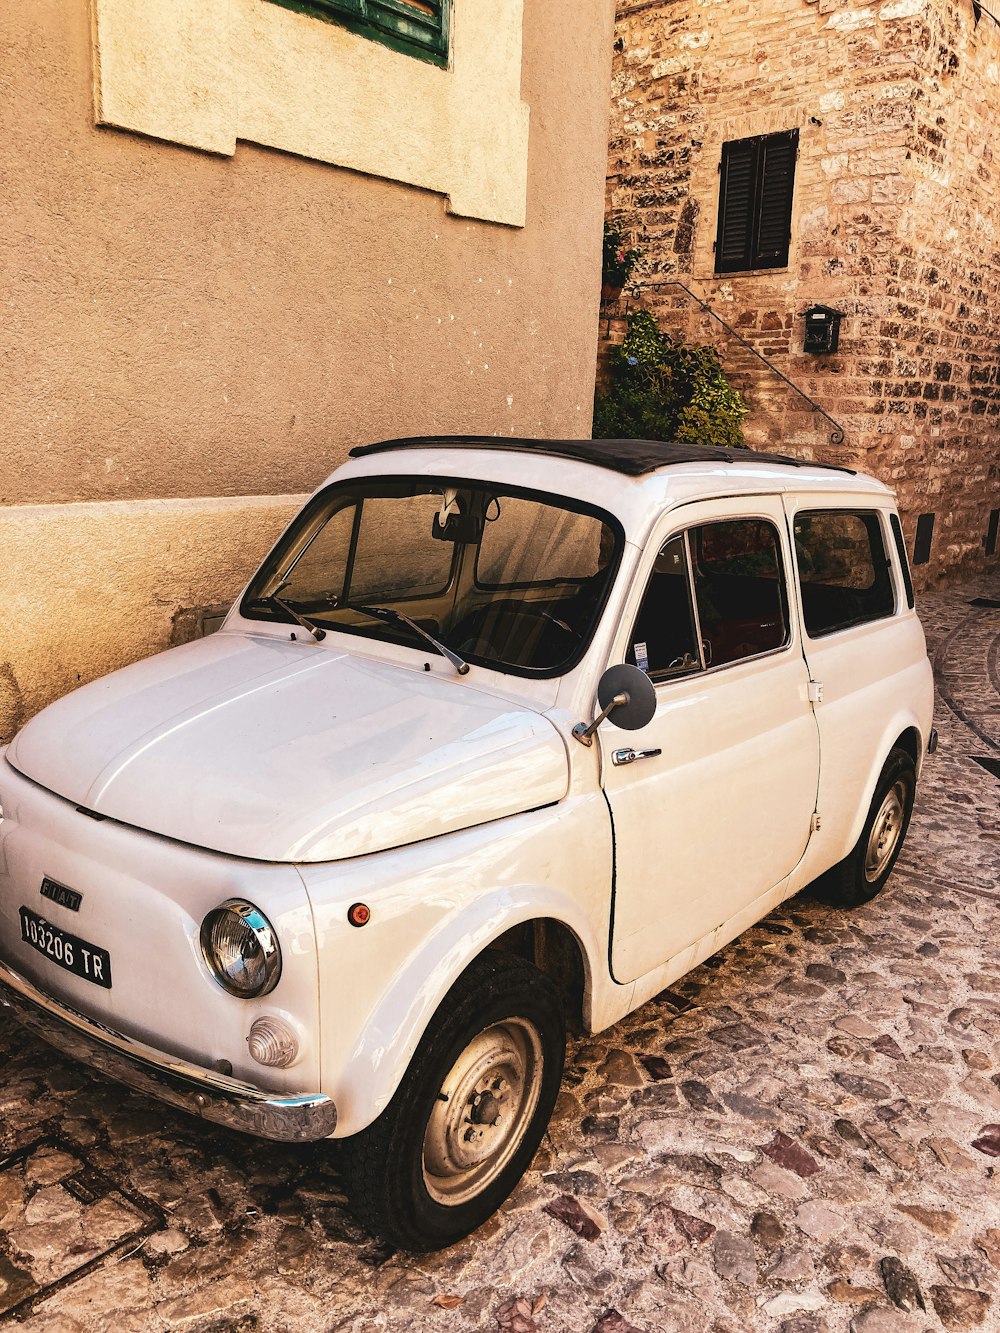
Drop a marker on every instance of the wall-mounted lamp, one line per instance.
(822, 329)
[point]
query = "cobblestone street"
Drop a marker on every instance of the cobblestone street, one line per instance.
(802, 1137)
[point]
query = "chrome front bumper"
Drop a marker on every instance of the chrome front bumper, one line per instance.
(296, 1118)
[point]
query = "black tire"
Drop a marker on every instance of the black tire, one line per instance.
(862, 874)
(401, 1174)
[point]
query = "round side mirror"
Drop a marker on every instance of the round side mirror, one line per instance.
(636, 684)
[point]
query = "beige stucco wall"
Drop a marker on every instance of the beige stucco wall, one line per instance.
(181, 325)
(90, 587)
(210, 72)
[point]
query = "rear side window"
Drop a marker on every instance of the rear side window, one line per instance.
(843, 569)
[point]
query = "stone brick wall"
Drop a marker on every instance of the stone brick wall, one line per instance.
(895, 222)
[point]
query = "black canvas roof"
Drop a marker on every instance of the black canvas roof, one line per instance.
(633, 458)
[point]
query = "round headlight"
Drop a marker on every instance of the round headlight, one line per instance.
(241, 949)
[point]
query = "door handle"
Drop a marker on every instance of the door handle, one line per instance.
(629, 756)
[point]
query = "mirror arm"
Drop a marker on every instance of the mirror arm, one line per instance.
(584, 733)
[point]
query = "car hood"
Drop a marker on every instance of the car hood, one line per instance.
(282, 751)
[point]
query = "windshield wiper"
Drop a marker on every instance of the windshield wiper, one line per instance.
(388, 613)
(318, 634)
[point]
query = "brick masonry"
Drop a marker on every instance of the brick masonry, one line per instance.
(895, 222)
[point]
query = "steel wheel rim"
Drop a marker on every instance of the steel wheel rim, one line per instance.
(482, 1113)
(886, 831)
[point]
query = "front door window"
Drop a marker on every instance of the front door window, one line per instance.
(716, 595)
(739, 587)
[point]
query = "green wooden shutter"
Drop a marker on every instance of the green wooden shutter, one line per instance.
(417, 27)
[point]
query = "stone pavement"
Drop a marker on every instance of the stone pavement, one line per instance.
(794, 1140)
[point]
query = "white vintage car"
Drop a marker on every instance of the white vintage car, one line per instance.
(502, 735)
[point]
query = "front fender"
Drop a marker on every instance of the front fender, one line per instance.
(434, 907)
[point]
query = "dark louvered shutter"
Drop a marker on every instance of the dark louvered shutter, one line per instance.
(736, 198)
(755, 202)
(777, 175)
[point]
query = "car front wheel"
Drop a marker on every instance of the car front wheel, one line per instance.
(470, 1112)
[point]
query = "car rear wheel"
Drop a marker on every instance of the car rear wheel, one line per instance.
(470, 1112)
(863, 873)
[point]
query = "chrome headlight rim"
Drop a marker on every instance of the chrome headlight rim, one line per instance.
(254, 919)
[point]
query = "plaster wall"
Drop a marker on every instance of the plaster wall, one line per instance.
(209, 72)
(91, 587)
(183, 325)
(895, 222)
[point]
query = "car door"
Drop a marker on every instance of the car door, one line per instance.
(712, 801)
(863, 653)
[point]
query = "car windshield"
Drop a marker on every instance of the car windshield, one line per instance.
(503, 577)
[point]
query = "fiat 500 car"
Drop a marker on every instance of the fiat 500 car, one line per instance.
(502, 736)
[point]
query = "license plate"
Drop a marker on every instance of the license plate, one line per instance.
(67, 951)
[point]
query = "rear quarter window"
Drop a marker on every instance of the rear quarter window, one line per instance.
(904, 564)
(843, 569)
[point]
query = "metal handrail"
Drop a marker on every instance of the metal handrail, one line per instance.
(836, 435)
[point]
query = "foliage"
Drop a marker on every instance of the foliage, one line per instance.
(664, 390)
(619, 260)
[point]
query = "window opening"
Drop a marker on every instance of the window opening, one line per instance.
(664, 640)
(739, 590)
(716, 595)
(391, 557)
(922, 541)
(755, 202)
(411, 546)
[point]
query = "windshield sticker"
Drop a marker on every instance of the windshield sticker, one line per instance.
(641, 657)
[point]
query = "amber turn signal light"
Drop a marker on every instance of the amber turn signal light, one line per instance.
(359, 914)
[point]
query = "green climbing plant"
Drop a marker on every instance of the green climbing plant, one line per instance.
(659, 389)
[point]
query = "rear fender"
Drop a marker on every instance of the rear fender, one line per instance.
(903, 721)
(835, 841)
